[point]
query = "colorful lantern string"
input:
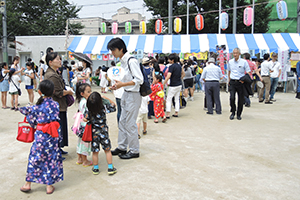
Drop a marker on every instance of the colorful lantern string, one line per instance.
(224, 21)
(143, 27)
(128, 27)
(114, 28)
(248, 13)
(103, 27)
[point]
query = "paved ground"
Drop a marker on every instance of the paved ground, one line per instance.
(195, 156)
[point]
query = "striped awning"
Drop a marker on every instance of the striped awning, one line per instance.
(194, 43)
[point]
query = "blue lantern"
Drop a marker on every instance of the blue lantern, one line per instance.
(224, 21)
(282, 10)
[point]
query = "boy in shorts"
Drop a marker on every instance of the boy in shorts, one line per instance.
(143, 115)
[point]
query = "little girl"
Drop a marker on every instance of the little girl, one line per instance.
(28, 79)
(44, 162)
(157, 96)
(14, 85)
(83, 148)
(96, 117)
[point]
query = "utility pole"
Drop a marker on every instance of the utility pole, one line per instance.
(220, 7)
(253, 5)
(67, 37)
(234, 17)
(4, 49)
(170, 16)
(298, 17)
(187, 16)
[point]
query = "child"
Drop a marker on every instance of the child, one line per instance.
(14, 85)
(83, 148)
(97, 118)
(28, 79)
(157, 96)
(143, 115)
(44, 162)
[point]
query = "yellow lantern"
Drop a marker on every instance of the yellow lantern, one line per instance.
(143, 28)
(177, 24)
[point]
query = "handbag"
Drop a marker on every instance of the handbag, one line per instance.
(19, 90)
(70, 100)
(87, 134)
(25, 132)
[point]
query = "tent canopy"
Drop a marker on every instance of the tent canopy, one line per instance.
(194, 43)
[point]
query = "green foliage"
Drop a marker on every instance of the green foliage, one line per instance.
(159, 9)
(40, 17)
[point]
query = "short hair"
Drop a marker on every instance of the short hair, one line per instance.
(274, 54)
(266, 56)
(174, 57)
(41, 61)
(161, 60)
(113, 63)
(237, 49)
(247, 56)
(72, 62)
(29, 60)
(117, 43)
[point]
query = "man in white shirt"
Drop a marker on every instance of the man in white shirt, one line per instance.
(130, 102)
(274, 75)
(266, 68)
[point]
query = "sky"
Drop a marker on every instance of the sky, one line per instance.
(105, 9)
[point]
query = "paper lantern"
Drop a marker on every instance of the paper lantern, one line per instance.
(143, 28)
(224, 21)
(248, 14)
(114, 28)
(177, 24)
(103, 27)
(158, 26)
(105, 57)
(128, 28)
(282, 10)
(199, 21)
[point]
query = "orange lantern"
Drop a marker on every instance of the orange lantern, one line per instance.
(158, 26)
(199, 21)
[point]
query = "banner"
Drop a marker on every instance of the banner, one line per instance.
(199, 56)
(93, 57)
(99, 57)
(283, 60)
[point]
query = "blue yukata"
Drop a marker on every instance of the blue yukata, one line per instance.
(45, 162)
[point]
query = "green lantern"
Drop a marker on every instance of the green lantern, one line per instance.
(103, 27)
(128, 28)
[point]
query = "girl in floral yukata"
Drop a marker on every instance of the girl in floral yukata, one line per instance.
(158, 99)
(45, 161)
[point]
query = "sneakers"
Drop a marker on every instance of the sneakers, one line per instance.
(95, 171)
(273, 100)
(112, 171)
(268, 102)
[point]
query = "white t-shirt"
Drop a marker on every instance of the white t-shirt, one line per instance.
(276, 67)
(4, 74)
(86, 71)
(265, 68)
(27, 79)
(12, 88)
(144, 105)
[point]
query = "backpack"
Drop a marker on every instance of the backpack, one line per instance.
(145, 88)
(164, 70)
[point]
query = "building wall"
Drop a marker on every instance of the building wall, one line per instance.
(91, 25)
(124, 15)
(35, 46)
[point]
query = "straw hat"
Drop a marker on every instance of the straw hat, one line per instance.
(145, 60)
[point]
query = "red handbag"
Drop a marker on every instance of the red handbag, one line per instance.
(25, 132)
(87, 135)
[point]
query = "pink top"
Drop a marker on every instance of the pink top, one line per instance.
(162, 67)
(252, 68)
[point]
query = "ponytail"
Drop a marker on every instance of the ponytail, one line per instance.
(40, 100)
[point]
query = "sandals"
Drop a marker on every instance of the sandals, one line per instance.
(175, 115)
(144, 132)
(164, 120)
(53, 188)
(79, 163)
(24, 189)
(91, 163)
(155, 121)
(5, 107)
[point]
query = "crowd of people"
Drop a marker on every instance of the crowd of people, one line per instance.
(173, 83)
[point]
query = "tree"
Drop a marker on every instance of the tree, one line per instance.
(36, 17)
(159, 9)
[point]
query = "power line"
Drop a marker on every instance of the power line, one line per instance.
(106, 3)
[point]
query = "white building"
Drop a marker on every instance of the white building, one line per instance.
(92, 25)
(124, 15)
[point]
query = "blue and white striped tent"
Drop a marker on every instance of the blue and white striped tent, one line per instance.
(194, 43)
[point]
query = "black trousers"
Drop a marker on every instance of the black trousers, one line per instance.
(64, 129)
(236, 87)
